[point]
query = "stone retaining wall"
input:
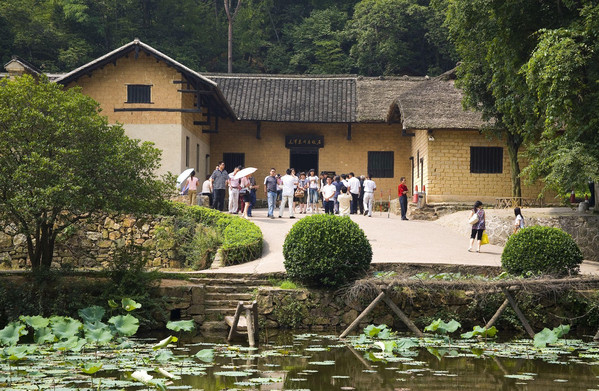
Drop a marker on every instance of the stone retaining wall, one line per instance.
(92, 243)
(583, 228)
(324, 310)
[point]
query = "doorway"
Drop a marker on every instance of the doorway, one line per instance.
(303, 160)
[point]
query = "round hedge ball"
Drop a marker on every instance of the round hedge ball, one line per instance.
(541, 250)
(326, 251)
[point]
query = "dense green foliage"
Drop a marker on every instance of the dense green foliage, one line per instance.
(57, 155)
(531, 68)
(541, 250)
(326, 251)
(240, 240)
(47, 293)
(562, 75)
(369, 37)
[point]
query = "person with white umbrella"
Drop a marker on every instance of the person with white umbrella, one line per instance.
(245, 188)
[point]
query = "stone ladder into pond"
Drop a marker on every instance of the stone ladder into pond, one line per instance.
(222, 294)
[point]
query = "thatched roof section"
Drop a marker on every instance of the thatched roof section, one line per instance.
(289, 98)
(433, 104)
(376, 94)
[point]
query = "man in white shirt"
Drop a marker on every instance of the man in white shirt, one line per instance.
(369, 188)
(328, 194)
(354, 191)
(234, 186)
(289, 182)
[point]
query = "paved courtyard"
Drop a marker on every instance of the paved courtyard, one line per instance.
(393, 240)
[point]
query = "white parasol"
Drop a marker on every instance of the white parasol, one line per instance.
(245, 172)
(183, 176)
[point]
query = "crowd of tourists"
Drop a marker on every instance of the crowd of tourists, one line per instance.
(312, 193)
(302, 193)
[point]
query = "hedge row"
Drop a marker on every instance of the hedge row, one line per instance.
(242, 239)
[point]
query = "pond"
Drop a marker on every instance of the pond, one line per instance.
(377, 360)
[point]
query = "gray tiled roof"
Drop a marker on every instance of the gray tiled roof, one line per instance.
(290, 98)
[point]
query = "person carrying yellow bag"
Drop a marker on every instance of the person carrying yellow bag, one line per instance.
(477, 220)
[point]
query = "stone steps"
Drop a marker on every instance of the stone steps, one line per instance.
(224, 291)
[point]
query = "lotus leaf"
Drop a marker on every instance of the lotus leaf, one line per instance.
(164, 355)
(125, 325)
(73, 343)
(91, 367)
(373, 331)
(561, 330)
(113, 304)
(99, 335)
(206, 355)
(181, 325)
(95, 326)
(36, 322)
(43, 335)
(165, 342)
(483, 332)
(11, 333)
(405, 344)
(386, 346)
(232, 373)
(16, 353)
(441, 327)
(545, 337)
(64, 327)
(130, 304)
(92, 314)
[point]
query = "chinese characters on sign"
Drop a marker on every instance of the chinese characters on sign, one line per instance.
(304, 141)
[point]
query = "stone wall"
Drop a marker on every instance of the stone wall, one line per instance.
(322, 310)
(583, 228)
(92, 243)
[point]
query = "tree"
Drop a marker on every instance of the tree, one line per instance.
(562, 74)
(494, 39)
(231, 13)
(397, 37)
(318, 43)
(60, 161)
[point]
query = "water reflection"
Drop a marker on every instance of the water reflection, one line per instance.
(321, 362)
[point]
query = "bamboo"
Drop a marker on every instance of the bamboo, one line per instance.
(521, 316)
(404, 318)
(363, 315)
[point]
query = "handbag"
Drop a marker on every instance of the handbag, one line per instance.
(299, 193)
(473, 219)
(485, 238)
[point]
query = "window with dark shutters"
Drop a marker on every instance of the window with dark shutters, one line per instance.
(380, 164)
(486, 160)
(233, 160)
(138, 93)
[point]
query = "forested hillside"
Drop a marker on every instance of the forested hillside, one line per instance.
(368, 37)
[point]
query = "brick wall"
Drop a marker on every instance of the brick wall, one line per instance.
(339, 154)
(448, 169)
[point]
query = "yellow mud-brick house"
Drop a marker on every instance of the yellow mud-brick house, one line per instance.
(390, 127)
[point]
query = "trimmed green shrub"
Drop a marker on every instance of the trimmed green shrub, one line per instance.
(326, 251)
(240, 240)
(541, 250)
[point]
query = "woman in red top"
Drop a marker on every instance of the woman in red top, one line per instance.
(402, 192)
